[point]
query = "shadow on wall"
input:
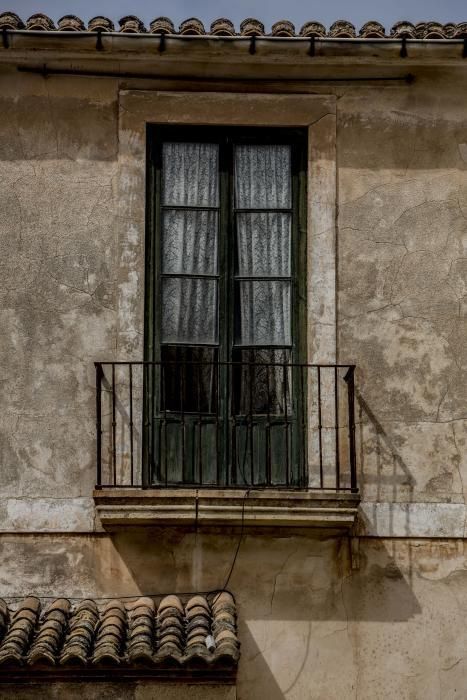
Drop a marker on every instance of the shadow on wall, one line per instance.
(385, 481)
(278, 575)
(296, 595)
(391, 476)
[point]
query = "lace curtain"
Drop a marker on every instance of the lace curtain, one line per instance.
(263, 181)
(263, 252)
(262, 245)
(189, 243)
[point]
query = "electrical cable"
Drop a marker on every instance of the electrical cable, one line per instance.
(247, 493)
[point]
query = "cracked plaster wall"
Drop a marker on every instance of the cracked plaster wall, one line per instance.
(402, 290)
(310, 626)
(58, 149)
(401, 285)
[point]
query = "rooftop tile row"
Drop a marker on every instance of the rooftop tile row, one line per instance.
(121, 633)
(249, 27)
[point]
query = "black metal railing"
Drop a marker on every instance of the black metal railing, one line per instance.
(225, 424)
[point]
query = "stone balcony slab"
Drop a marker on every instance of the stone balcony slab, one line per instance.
(204, 506)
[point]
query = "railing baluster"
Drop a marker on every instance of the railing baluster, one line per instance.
(287, 468)
(98, 367)
(320, 431)
(154, 422)
(303, 463)
(200, 452)
(350, 379)
(114, 429)
(252, 476)
(158, 421)
(182, 417)
(164, 399)
(219, 458)
(148, 456)
(130, 369)
(268, 430)
(336, 419)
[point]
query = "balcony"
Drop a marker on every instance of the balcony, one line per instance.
(255, 443)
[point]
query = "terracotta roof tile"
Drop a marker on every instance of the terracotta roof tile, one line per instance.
(120, 634)
(283, 28)
(315, 29)
(10, 20)
(80, 633)
(372, 30)
(460, 30)
(249, 27)
(403, 29)
(162, 25)
(102, 24)
(40, 22)
(222, 27)
(70, 23)
(342, 30)
(192, 26)
(132, 25)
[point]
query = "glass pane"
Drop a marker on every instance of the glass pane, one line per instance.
(190, 174)
(189, 379)
(261, 384)
(263, 177)
(189, 242)
(263, 244)
(189, 311)
(263, 313)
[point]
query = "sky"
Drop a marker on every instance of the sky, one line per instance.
(268, 11)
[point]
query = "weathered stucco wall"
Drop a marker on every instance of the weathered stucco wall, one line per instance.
(310, 626)
(68, 299)
(58, 150)
(402, 293)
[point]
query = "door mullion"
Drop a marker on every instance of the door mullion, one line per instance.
(223, 452)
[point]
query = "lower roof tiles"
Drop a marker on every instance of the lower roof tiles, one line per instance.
(190, 636)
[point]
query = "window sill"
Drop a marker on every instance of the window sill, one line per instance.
(186, 507)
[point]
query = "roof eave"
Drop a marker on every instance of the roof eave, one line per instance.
(39, 45)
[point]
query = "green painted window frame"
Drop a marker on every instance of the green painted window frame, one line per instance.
(226, 137)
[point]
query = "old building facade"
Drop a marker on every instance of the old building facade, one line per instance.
(233, 367)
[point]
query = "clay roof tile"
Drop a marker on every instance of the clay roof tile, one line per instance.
(10, 21)
(222, 27)
(40, 22)
(100, 24)
(116, 634)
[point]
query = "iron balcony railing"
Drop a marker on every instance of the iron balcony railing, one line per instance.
(225, 424)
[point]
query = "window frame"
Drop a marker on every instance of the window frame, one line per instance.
(226, 136)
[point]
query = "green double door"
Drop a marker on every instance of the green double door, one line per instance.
(225, 292)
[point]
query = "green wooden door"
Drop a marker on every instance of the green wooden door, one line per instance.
(225, 299)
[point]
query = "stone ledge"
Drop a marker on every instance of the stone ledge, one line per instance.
(412, 519)
(266, 508)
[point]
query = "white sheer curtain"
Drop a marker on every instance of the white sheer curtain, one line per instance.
(189, 243)
(263, 244)
(263, 252)
(263, 176)
(190, 174)
(263, 181)
(263, 201)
